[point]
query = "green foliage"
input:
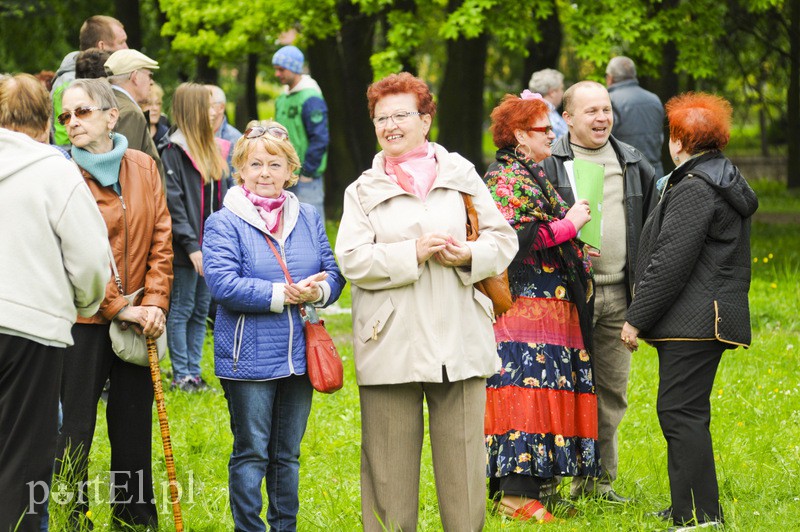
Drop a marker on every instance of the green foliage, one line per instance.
(229, 30)
(601, 29)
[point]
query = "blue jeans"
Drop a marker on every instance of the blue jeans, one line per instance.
(313, 193)
(186, 323)
(268, 420)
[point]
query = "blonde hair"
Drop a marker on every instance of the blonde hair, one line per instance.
(274, 146)
(190, 113)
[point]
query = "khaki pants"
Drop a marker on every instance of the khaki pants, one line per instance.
(391, 446)
(611, 368)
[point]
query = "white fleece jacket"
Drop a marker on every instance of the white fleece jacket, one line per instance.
(53, 243)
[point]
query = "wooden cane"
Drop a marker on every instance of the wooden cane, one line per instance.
(155, 374)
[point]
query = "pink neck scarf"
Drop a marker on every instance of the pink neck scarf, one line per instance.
(414, 171)
(270, 209)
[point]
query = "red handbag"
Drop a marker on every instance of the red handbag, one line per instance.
(323, 363)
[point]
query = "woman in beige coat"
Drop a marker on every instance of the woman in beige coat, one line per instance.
(421, 331)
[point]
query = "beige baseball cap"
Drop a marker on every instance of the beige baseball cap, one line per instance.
(126, 61)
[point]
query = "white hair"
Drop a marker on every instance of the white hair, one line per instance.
(546, 80)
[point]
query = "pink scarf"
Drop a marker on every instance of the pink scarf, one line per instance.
(270, 209)
(414, 171)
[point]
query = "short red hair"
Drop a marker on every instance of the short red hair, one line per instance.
(402, 83)
(512, 114)
(700, 121)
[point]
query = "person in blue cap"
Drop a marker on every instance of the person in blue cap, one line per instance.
(301, 109)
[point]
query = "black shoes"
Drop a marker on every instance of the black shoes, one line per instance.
(608, 496)
(613, 496)
(664, 515)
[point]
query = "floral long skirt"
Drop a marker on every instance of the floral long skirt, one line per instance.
(541, 407)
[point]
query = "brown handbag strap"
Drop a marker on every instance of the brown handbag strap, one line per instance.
(285, 270)
(472, 217)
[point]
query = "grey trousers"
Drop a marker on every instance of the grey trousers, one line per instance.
(612, 366)
(391, 446)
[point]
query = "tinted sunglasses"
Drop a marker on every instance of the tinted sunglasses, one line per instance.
(272, 131)
(80, 112)
(542, 129)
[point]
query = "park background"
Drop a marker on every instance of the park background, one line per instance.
(472, 52)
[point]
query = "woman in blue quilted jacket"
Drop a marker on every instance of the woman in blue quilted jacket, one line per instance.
(259, 351)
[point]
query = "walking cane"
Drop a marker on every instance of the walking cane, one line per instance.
(155, 374)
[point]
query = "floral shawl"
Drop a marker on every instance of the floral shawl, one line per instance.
(528, 201)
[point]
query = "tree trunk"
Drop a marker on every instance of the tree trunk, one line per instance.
(461, 96)
(340, 64)
(546, 52)
(793, 105)
(247, 103)
(128, 14)
(205, 72)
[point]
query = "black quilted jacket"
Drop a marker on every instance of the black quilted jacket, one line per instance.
(693, 267)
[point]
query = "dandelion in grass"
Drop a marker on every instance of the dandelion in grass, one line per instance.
(770, 255)
(773, 285)
(765, 260)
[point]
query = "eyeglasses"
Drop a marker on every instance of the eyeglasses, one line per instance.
(81, 112)
(398, 118)
(542, 129)
(272, 131)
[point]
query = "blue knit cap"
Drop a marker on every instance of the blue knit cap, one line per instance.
(290, 58)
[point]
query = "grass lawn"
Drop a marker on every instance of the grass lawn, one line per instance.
(755, 425)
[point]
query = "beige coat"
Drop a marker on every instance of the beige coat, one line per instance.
(410, 320)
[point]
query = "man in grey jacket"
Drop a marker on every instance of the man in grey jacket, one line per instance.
(54, 265)
(629, 194)
(638, 113)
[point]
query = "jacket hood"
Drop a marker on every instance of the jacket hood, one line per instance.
(306, 82)
(626, 153)
(719, 172)
(236, 202)
(67, 64)
(378, 187)
(18, 151)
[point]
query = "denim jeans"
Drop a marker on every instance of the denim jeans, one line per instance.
(313, 193)
(186, 323)
(268, 420)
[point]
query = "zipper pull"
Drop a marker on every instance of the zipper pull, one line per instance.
(375, 330)
(124, 208)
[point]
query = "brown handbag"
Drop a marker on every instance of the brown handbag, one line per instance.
(323, 363)
(496, 287)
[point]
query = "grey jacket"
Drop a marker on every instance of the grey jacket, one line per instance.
(694, 261)
(638, 120)
(640, 190)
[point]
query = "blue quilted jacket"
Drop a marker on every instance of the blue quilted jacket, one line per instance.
(256, 336)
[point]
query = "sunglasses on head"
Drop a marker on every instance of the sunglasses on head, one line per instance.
(80, 112)
(272, 131)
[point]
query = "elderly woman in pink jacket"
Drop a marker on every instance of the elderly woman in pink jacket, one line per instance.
(422, 332)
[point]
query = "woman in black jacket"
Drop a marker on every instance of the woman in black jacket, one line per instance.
(690, 302)
(197, 171)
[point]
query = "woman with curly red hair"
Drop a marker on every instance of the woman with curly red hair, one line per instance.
(422, 333)
(693, 275)
(541, 407)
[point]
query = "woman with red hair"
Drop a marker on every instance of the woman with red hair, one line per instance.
(693, 275)
(541, 407)
(422, 332)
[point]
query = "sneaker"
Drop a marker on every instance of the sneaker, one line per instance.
(186, 384)
(200, 385)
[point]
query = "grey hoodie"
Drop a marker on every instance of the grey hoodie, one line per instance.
(54, 259)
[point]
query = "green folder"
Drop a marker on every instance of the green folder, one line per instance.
(589, 186)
